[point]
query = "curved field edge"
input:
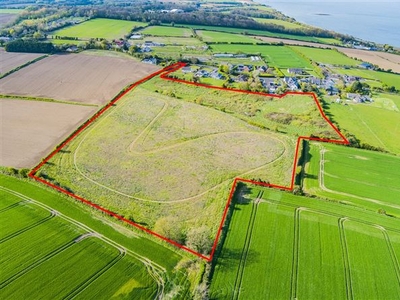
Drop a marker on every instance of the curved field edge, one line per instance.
(166, 71)
(146, 247)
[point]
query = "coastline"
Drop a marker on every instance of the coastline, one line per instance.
(351, 21)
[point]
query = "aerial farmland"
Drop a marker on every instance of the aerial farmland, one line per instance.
(195, 151)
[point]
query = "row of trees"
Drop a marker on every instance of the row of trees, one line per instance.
(29, 46)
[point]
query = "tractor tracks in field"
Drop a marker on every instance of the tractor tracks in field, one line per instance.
(157, 272)
(324, 188)
(345, 257)
(246, 247)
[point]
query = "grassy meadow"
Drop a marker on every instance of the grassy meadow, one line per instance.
(372, 125)
(223, 37)
(389, 78)
(326, 56)
(353, 176)
(167, 31)
(283, 23)
(99, 28)
(276, 245)
(282, 57)
(174, 139)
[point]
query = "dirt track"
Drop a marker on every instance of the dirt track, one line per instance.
(30, 129)
(76, 77)
(11, 60)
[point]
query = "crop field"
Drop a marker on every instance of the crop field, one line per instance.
(41, 248)
(11, 60)
(364, 178)
(275, 247)
(283, 23)
(167, 31)
(382, 59)
(82, 78)
(100, 28)
(30, 129)
(174, 139)
(375, 126)
(326, 56)
(276, 56)
(170, 40)
(223, 37)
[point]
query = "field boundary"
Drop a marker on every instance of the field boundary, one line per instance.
(164, 74)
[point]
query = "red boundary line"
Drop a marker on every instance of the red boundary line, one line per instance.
(164, 75)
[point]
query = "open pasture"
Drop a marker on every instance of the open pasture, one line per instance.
(372, 125)
(76, 77)
(283, 23)
(326, 56)
(167, 31)
(100, 28)
(30, 129)
(276, 56)
(275, 247)
(364, 174)
(11, 60)
(191, 154)
(57, 257)
(224, 37)
(295, 115)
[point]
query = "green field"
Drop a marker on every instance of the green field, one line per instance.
(283, 23)
(223, 37)
(10, 11)
(164, 136)
(326, 56)
(100, 28)
(275, 56)
(388, 78)
(167, 31)
(375, 126)
(170, 40)
(275, 247)
(42, 248)
(262, 33)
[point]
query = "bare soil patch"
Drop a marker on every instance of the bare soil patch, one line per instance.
(7, 18)
(76, 77)
(12, 60)
(382, 59)
(30, 129)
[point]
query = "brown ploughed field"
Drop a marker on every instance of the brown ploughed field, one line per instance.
(31, 129)
(76, 77)
(11, 60)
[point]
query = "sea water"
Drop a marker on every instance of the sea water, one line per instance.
(376, 21)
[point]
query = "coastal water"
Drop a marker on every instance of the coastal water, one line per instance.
(377, 21)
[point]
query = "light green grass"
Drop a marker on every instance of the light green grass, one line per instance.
(260, 33)
(371, 125)
(100, 28)
(223, 37)
(10, 11)
(61, 42)
(386, 101)
(388, 78)
(326, 56)
(163, 136)
(283, 23)
(276, 56)
(167, 31)
(170, 40)
(362, 173)
(377, 191)
(49, 254)
(82, 213)
(296, 240)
